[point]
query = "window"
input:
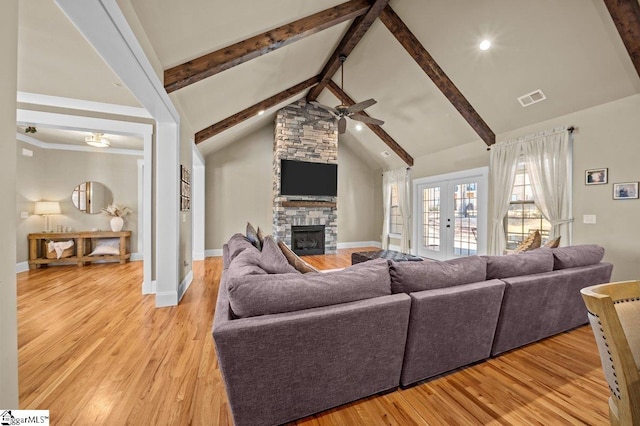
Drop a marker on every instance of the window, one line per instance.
(395, 219)
(523, 215)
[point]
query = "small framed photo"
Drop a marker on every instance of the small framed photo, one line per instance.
(596, 176)
(625, 191)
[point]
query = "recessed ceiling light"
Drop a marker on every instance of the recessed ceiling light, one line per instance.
(385, 154)
(358, 127)
(117, 84)
(261, 112)
(485, 45)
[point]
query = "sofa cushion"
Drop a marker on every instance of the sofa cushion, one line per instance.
(237, 243)
(272, 260)
(574, 256)
(407, 277)
(527, 263)
(270, 294)
(532, 242)
(294, 260)
(245, 263)
(252, 236)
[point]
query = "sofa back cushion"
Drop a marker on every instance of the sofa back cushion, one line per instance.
(236, 244)
(575, 256)
(271, 294)
(514, 265)
(245, 263)
(407, 277)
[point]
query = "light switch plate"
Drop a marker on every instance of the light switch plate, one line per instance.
(589, 218)
(24, 215)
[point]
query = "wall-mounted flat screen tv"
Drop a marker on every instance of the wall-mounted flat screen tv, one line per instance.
(306, 178)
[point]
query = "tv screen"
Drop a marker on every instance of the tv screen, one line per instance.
(305, 178)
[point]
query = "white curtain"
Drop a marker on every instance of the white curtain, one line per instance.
(387, 181)
(502, 171)
(402, 179)
(547, 159)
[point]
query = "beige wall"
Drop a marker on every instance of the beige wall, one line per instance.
(607, 136)
(8, 299)
(239, 189)
(356, 198)
(52, 174)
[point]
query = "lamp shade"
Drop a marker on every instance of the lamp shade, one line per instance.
(47, 207)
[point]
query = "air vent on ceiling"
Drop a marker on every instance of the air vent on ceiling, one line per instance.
(385, 154)
(532, 98)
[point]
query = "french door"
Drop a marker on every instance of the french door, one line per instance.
(450, 214)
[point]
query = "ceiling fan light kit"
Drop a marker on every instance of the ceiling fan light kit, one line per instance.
(342, 111)
(97, 140)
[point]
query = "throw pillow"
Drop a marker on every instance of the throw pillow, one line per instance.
(407, 277)
(271, 294)
(106, 246)
(533, 241)
(528, 263)
(261, 235)
(252, 236)
(272, 260)
(575, 256)
(552, 243)
(294, 260)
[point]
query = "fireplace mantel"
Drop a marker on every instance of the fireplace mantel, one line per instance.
(309, 203)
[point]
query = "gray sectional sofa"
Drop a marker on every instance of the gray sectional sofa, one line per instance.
(292, 344)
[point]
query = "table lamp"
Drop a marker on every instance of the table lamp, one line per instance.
(46, 209)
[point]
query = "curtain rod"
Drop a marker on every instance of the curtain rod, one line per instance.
(569, 129)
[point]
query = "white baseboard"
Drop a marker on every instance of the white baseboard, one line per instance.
(213, 252)
(166, 298)
(198, 255)
(184, 285)
(136, 257)
(22, 267)
(357, 244)
(148, 289)
(394, 248)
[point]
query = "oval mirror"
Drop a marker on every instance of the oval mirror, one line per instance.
(91, 197)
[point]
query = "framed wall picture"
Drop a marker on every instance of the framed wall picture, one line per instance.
(625, 191)
(185, 189)
(596, 176)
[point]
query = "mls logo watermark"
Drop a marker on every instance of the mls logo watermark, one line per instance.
(24, 417)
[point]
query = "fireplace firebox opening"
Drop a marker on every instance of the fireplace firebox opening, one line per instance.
(307, 240)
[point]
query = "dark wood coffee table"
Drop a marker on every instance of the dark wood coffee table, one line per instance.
(363, 256)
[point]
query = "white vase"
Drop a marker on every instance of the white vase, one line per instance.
(116, 223)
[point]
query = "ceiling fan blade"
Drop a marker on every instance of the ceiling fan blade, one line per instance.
(326, 108)
(342, 125)
(365, 119)
(361, 105)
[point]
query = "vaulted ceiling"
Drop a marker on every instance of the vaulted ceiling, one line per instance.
(571, 50)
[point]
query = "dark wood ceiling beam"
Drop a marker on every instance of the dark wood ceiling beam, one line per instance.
(417, 51)
(626, 16)
(205, 66)
(253, 110)
(351, 38)
(379, 131)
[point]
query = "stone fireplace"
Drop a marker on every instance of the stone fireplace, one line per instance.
(304, 132)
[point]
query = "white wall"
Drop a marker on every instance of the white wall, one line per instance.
(53, 174)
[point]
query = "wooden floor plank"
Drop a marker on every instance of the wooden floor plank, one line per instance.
(94, 350)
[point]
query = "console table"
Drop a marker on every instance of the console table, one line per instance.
(84, 242)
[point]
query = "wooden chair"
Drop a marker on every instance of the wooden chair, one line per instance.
(614, 314)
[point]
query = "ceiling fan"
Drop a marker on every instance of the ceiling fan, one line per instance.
(342, 111)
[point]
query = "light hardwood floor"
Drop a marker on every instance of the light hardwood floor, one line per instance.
(94, 351)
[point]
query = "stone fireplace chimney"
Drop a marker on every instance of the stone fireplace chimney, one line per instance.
(304, 132)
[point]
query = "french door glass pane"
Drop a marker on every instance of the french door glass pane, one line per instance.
(465, 237)
(431, 218)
